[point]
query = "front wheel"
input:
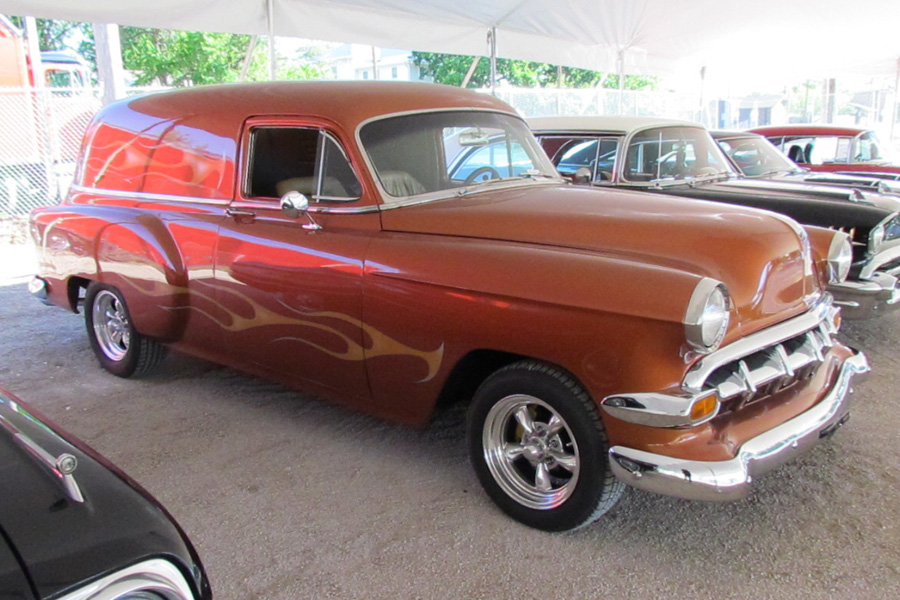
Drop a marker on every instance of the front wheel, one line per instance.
(539, 448)
(120, 349)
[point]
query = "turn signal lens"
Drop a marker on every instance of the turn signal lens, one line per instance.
(704, 407)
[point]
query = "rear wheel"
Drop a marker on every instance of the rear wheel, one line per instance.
(539, 448)
(120, 349)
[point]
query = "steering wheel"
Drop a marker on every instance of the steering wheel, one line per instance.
(490, 171)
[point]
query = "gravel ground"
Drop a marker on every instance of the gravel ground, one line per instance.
(287, 497)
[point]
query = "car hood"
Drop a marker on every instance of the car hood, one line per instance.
(62, 542)
(759, 256)
(808, 209)
(818, 189)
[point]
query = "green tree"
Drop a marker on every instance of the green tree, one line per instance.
(181, 58)
(451, 69)
(63, 35)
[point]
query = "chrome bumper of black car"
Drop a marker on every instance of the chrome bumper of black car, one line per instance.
(731, 479)
(862, 299)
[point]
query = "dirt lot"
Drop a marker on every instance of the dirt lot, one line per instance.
(286, 497)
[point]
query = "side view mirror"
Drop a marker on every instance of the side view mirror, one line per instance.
(582, 176)
(294, 204)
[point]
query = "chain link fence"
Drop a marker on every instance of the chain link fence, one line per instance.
(549, 102)
(42, 131)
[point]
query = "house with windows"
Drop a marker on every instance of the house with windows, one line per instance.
(358, 61)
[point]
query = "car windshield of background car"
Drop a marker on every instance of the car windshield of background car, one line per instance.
(438, 151)
(756, 156)
(596, 155)
(818, 150)
(674, 154)
(870, 149)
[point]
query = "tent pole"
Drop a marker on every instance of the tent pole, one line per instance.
(896, 100)
(470, 72)
(620, 62)
(109, 61)
(492, 43)
(270, 17)
(248, 57)
(32, 40)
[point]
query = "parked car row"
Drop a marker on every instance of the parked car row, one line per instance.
(395, 247)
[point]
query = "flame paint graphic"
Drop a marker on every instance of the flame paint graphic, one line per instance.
(382, 344)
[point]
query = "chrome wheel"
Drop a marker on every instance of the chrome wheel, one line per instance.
(530, 452)
(111, 328)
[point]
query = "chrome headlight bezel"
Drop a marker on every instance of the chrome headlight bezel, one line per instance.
(840, 258)
(707, 316)
(876, 238)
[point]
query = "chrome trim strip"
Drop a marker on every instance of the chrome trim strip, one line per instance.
(61, 467)
(731, 479)
(334, 210)
(147, 195)
(155, 576)
(695, 378)
(657, 409)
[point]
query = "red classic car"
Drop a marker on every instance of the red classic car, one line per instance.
(395, 247)
(846, 150)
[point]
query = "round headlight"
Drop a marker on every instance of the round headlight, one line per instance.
(706, 319)
(840, 257)
(876, 238)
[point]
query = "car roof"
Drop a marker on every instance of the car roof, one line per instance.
(345, 103)
(610, 124)
(807, 129)
(723, 134)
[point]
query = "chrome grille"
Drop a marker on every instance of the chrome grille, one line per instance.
(769, 370)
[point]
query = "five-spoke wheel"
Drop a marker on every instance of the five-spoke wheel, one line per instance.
(539, 448)
(120, 349)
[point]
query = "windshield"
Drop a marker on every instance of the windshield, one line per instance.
(433, 152)
(673, 154)
(755, 156)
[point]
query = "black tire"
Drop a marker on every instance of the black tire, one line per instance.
(120, 349)
(556, 477)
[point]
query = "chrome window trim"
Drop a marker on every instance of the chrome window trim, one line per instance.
(318, 197)
(149, 196)
(695, 378)
(320, 154)
(156, 575)
(274, 205)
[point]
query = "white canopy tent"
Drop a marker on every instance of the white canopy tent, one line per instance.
(810, 38)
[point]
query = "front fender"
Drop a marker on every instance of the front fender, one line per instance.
(615, 324)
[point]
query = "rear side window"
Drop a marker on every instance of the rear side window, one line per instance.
(306, 160)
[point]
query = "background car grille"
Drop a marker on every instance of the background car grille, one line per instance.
(770, 370)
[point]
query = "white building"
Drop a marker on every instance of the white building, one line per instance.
(357, 61)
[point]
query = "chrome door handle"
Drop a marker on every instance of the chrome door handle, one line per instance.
(241, 216)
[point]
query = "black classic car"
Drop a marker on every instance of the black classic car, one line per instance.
(753, 156)
(680, 158)
(74, 527)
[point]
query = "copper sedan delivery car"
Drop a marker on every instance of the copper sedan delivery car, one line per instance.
(324, 235)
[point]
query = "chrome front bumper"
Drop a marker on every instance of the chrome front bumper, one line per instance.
(863, 299)
(730, 479)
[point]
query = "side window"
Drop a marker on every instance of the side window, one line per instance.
(285, 159)
(338, 181)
